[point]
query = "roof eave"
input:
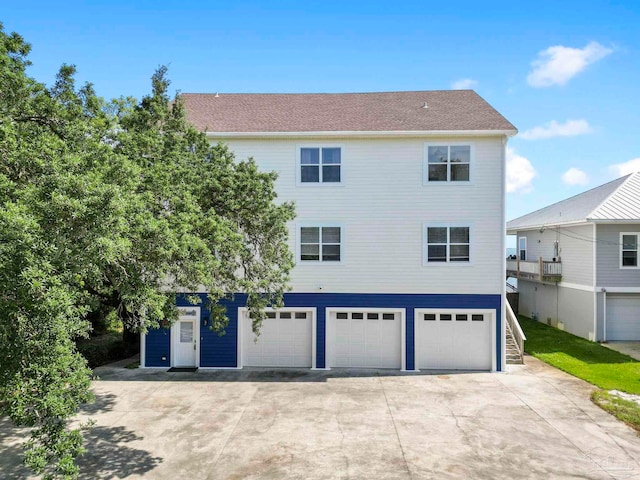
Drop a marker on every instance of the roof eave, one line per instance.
(521, 228)
(614, 220)
(368, 133)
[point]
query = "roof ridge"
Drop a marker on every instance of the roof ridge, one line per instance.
(330, 93)
(624, 182)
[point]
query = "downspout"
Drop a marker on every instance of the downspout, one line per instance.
(604, 317)
(595, 282)
(502, 360)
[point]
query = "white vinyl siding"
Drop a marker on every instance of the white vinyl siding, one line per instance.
(608, 257)
(382, 211)
(575, 248)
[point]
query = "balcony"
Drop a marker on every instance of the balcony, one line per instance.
(540, 270)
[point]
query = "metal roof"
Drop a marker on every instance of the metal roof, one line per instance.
(618, 200)
(446, 110)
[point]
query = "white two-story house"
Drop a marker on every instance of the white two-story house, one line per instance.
(578, 262)
(399, 237)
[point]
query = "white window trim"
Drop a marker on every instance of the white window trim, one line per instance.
(242, 314)
(637, 234)
(448, 263)
(417, 331)
(299, 181)
(328, 354)
(425, 163)
(520, 249)
(299, 226)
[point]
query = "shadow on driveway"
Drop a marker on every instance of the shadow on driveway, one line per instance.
(107, 456)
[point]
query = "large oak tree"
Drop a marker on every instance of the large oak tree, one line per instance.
(112, 207)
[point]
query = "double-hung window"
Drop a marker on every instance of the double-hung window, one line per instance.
(629, 249)
(447, 244)
(320, 244)
(447, 163)
(320, 165)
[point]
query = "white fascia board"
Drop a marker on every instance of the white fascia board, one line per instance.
(515, 230)
(614, 221)
(392, 133)
(618, 289)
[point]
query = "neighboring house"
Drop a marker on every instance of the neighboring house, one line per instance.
(399, 236)
(577, 262)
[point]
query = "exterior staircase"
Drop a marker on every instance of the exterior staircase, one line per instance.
(514, 355)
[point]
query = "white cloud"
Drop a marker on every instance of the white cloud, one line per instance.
(622, 169)
(575, 176)
(464, 84)
(557, 65)
(520, 173)
(552, 129)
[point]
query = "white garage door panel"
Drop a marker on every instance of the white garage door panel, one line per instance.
(623, 317)
(283, 342)
(368, 342)
(455, 344)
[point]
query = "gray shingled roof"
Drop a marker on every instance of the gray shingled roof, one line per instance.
(618, 200)
(450, 110)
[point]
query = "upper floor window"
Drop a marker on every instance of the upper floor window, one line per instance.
(320, 244)
(447, 163)
(629, 250)
(447, 244)
(522, 248)
(320, 165)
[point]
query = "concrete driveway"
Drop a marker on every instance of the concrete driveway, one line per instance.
(628, 348)
(533, 422)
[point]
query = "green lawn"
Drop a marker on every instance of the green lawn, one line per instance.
(590, 361)
(604, 368)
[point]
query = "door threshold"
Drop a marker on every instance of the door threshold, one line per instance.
(183, 369)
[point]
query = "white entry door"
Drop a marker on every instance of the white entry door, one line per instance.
(453, 339)
(285, 340)
(185, 335)
(365, 339)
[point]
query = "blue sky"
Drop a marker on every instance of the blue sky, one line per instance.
(565, 73)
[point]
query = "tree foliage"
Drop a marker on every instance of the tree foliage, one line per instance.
(112, 206)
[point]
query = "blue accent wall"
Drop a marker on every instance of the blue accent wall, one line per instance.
(218, 350)
(157, 345)
(222, 351)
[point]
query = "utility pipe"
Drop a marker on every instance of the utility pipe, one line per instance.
(604, 317)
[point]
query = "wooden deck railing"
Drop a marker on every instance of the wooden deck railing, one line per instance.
(541, 270)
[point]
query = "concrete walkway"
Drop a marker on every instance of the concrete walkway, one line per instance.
(628, 348)
(533, 422)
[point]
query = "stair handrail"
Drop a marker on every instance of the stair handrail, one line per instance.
(516, 330)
